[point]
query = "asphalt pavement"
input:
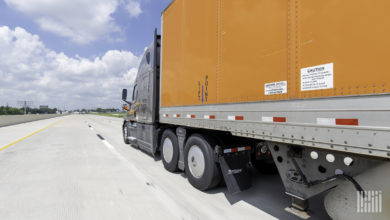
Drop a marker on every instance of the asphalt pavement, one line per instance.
(60, 168)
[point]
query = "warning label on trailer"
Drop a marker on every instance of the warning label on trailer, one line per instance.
(275, 88)
(317, 77)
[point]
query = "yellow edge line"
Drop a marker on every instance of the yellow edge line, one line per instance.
(21, 139)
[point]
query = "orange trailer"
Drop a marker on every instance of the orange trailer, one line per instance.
(252, 51)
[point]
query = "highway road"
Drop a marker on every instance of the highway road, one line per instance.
(60, 169)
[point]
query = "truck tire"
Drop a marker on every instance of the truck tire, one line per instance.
(169, 150)
(125, 131)
(200, 165)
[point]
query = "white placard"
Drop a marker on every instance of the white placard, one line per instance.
(275, 88)
(317, 77)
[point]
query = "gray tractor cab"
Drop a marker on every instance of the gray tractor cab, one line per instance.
(140, 121)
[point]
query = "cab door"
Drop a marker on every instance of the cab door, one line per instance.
(145, 90)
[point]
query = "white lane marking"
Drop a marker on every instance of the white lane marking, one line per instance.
(185, 200)
(175, 209)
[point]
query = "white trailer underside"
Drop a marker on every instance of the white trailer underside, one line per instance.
(307, 122)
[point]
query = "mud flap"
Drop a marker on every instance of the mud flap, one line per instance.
(235, 173)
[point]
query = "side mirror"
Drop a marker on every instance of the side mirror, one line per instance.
(124, 94)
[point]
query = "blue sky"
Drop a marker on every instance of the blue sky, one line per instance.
(56, 52)
(137, 31)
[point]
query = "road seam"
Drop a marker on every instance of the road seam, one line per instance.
(23, 138)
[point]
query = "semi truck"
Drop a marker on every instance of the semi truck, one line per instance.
(297, 87)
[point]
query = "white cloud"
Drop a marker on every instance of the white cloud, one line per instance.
(31, 71)
(82, 21)
(134, 8)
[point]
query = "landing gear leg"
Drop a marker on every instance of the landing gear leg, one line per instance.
(299, 207)
(300, 204)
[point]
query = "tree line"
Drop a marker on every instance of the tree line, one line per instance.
(6, 110)
(98, 110)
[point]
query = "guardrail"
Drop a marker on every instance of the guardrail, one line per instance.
(6, 120)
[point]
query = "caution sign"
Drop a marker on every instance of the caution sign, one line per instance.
(317, 77)
(275, 88)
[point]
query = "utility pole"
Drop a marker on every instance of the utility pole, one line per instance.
(25, 104)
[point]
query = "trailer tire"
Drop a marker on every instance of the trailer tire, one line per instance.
(169, 150)
(125, 131)
(200, 165)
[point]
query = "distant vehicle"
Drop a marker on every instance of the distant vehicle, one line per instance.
(297, 87)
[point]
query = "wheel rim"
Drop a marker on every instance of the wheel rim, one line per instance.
(196, 161)
(168, 150)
